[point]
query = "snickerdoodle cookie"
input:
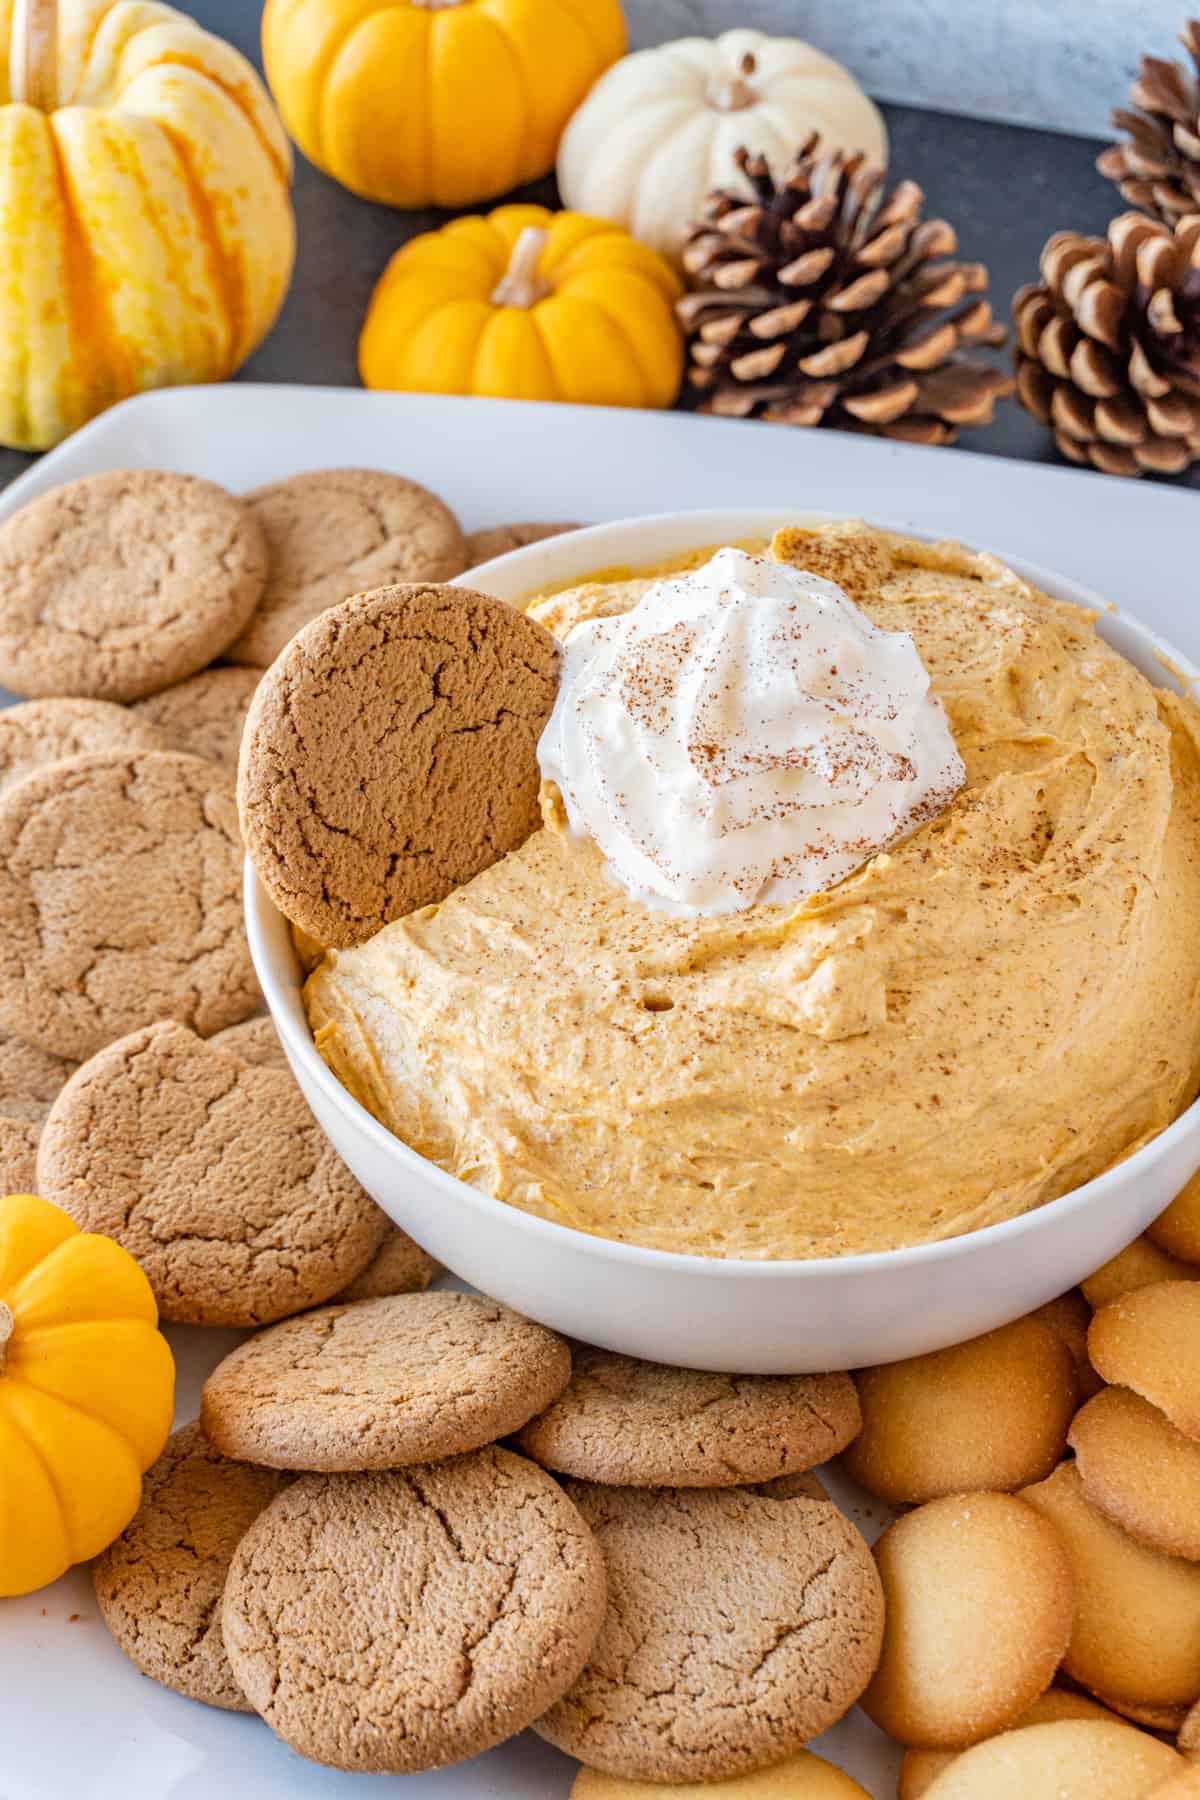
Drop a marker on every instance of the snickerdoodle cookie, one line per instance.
(120, 584)
(380, 1384)
(737, 1629)
(979, 1597)
(399, 1266)
(1136, 1635)
(160, 1585)
(639, 1424)
(1150, 1341)
(120, 891)
(213, 1173)
(1140, 1471)
(48, 731)
(402, 1621)
(204, 715)
(990, 1413)
(335, 532)
(391, 753)
(498, 540)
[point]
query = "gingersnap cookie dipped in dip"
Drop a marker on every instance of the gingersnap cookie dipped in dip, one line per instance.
(860, 915)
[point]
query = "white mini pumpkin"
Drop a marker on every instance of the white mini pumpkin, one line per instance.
(660, 128)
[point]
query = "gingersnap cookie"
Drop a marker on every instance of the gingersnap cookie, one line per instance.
(802, 1486)
(1075, 1759)
(29, 1081)
(498, 540)
(336, 532)
(120, 891)
(1140, 1471)
(48, 731)
(381, 1384)
(18, 1155)
(1136, 1634)
(979, 1598)
(205, 715)
(800, 1777)
(254, 1040)
(737, 1629)
(393, 1622)
(854, 555)
(391, 754)
(213, 1173)
(1177, 1231)
(640, 1424)
(920, 1768)
(120, 584)
(159, 1586)
(1141, 1264)
(990, 1413)
(1068, 1318)
(399, 1266)
(1150, 1341)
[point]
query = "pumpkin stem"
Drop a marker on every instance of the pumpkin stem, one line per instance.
(522, 284)
(6, 1330)
(33, 57)
(733, 93)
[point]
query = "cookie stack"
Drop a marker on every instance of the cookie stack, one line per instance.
(649, 1576)
(1023, 1566)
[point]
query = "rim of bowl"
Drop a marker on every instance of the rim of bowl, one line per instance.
(259, 907)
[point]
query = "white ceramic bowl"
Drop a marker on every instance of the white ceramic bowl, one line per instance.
(747, 1317)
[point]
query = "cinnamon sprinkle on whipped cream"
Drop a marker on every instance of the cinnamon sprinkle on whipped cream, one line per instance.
(745, 734)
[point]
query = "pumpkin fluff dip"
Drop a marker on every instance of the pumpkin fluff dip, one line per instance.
(861, 914)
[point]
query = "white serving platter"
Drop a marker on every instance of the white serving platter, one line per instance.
(76, 1721)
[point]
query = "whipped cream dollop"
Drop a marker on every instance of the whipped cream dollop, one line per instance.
(744, 734)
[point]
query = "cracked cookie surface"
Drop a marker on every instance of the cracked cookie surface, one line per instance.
(120, 584)
(37, 732)
(255, 1041)
(399, 1266)
(336, 532)
(737, 1629)
(120, 890)
(498, 540)
(380, 1384)
(203, 716)
(159, 1587)
(391, 754)
(403, 1621)
(29, 1081)
(213, 1173)
(639, 1424)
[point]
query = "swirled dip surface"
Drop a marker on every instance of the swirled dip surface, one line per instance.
(744, 734)
(974, 1022)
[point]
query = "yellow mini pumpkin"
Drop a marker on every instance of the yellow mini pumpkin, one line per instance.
(435, 102)
(145, 214)
(527, 304)
(86, 1392)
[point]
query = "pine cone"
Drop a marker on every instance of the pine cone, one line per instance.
(1108, 345)
(821, 300)
(1158, 168)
